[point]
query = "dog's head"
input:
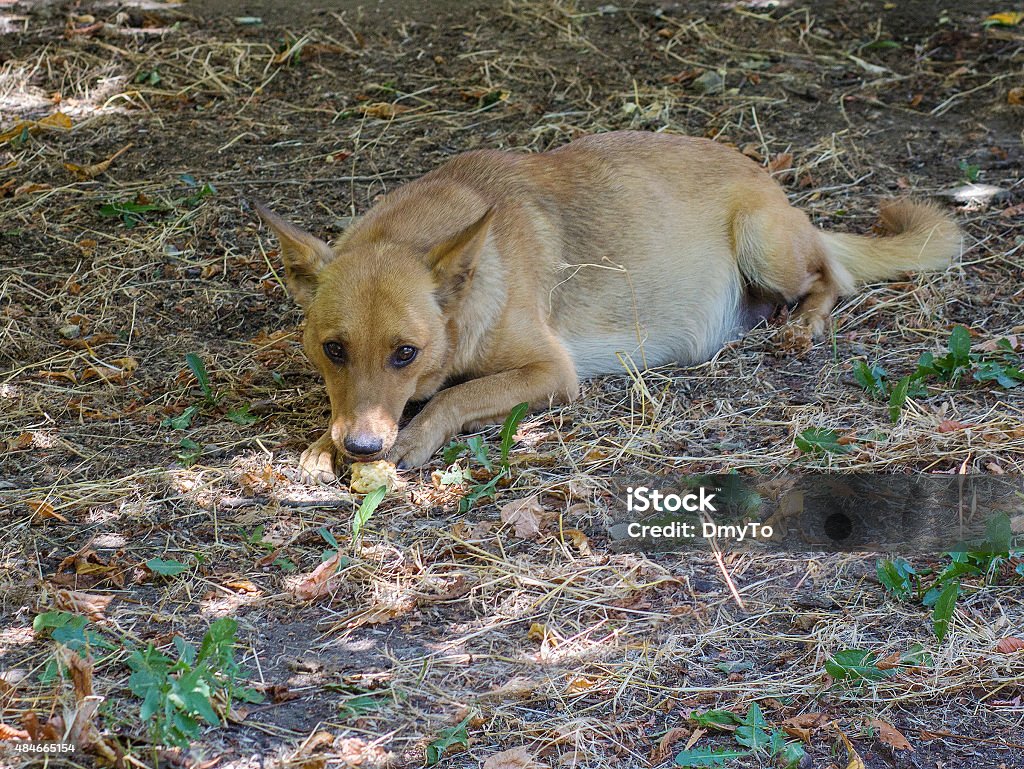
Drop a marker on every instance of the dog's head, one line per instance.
(378, 326)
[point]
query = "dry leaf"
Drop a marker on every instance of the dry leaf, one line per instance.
(664, 747)
(1015, 95)
(88, 604)
(855, 762)
(382, 109)
(21, 443)
(84, 173)
(516, 758)
(8, 732)
(781, 162)
(891, 736)
(579, 539)
(68, 375)
(537, 632)
(1005, 18)
(1009, 645)
(513, 688)
(58, 121)
(80, 669)
(526, 515)
(580, 684)
(950, 425)
(992, 345)
(42, 509)
(316, 584)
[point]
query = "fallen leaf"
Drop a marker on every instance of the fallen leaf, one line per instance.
(43, 509)
(855, 761)
(8, 732)
(1009, 645)
(664, 747)
(21, 443)
(580, 684)
(526, 515)
(780, 162)
(1015, 96)
(514, 688)
(1010, 211)
(84, 173)
(992, 345)
(88, 604)
(537, 632)
(516, 758)
(1004, 19)
(29, 187)
(579, 539)
(58, 121)
(316, 584)
(950, 425)
(80, 669)
(382, 110)
(891, 736)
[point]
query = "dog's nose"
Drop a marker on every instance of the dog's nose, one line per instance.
(363, 445)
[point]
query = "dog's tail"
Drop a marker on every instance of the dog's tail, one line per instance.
(920, 236)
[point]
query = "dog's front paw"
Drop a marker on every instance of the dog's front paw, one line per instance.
(413, 448)
(316, 465)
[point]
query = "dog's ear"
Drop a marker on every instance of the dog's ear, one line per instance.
(304, 255)
(454, 261)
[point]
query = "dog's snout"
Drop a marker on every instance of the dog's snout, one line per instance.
(363, 444)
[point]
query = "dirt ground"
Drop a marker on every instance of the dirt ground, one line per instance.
(555, 643)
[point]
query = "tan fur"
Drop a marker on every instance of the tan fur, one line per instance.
(516, 274)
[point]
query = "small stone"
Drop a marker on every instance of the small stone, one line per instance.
(70, 331)
(712, 81)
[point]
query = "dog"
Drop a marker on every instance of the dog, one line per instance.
(504, 277)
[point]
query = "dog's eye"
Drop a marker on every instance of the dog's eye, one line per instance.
(403, 356)
(335, 351)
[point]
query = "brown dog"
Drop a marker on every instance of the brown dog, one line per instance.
(516, 274)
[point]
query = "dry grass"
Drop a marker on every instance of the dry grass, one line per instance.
(586, 656)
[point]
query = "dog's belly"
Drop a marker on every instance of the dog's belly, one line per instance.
(680, 319)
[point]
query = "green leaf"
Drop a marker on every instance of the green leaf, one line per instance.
(191, 451)
(898, 398)
(871, 378)
(169, 568)
(366, 509)
(450, 737)
(715, 719)
(916, 656)
(508, 430)
(944, 606)
(790, 754)
(453, 451)
(752, 733)
(696, 757)
(183, 421)
(1005, 375)
(896, 576)
(818, 439)
(328, 537)
(959, 345)
(479, 492)
(195, 363)
(240, 415)
(855, 664)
